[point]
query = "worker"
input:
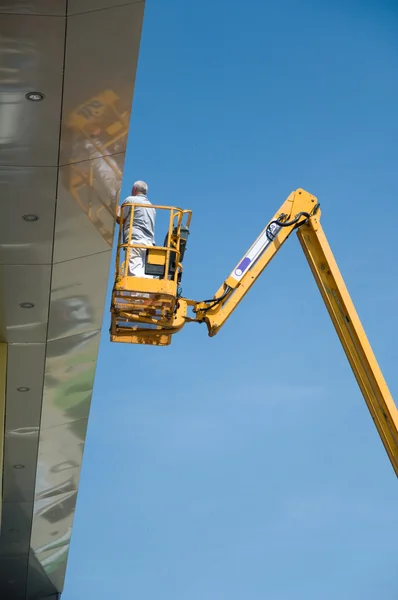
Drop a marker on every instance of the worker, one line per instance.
(143, 230)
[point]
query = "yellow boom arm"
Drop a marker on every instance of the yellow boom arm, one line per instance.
(301, 212)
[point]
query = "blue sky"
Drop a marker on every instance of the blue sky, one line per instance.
(247, 465)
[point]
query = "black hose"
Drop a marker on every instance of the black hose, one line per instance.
(294, 221)
(215, 301)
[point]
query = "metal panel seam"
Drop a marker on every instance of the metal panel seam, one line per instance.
(86, 12)
(61, 262)
(18, 14)
(86, 160)
(52, 427)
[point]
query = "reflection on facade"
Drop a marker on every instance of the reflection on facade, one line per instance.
(67, 394)
(100, 128)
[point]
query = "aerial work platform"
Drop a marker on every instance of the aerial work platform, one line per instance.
(144, 309)
(155, 310)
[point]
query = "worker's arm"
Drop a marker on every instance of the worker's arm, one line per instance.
(126, 208)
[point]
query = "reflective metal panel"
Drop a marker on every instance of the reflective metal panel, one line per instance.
(26, 193)
(86, 207)
(108, 65)
(34, 7)
(59, 464)
(24, 388)
(32, 49)
(3, 380)
(66, 404)
(77, 6)
(38, 585)
(20, 285)
(46, 428)
(68, 386)
(51, 535)
(78, 295)
(15, 536)
(13, 577)
(20, 456)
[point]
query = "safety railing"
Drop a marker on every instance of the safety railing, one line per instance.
(143, 307)
(161, 262)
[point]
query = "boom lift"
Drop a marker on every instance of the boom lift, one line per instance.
(150, 310)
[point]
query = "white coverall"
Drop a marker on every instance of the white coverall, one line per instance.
(143, 233)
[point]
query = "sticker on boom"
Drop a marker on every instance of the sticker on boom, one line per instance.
(259, 246)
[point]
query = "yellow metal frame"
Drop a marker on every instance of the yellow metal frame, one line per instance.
(176, 216)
